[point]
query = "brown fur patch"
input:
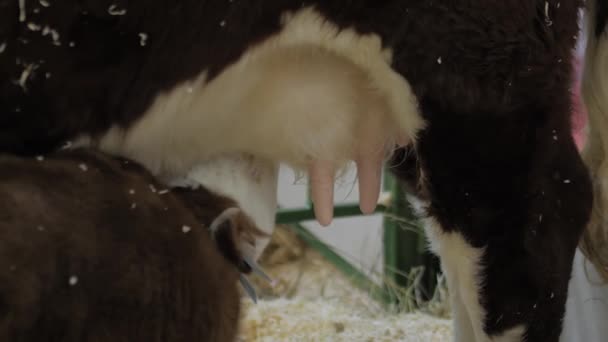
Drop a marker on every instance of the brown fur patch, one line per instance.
(90, 251)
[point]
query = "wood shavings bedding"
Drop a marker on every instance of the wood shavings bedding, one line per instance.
(335, 320)
(315, 302)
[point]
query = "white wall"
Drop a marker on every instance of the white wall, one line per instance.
(587, 306)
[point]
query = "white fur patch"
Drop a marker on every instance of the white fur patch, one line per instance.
(251, 182)
(311, 90)
(460, 263)
(515, 334)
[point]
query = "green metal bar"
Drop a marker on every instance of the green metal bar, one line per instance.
(404, 243)
(401, 245)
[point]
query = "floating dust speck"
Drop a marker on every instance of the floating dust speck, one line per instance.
(143, 39)
(548, 21)
(25, 75)
(53, 33)
(114, 10)
(22, 12)
(33, 26)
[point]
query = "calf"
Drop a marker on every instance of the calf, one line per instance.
(93, 248)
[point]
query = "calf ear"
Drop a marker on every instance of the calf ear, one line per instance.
(227, 239)
(235, 235)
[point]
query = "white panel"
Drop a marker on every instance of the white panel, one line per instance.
(356, 239)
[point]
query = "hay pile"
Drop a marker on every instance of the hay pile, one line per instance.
(313, 301)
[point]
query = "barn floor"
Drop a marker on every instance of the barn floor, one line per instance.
(313, 301)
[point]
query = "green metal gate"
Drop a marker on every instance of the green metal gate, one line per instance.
(405, 252)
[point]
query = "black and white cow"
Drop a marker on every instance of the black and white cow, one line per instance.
(479, 88)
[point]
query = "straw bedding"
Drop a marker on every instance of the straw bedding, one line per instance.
(313, 301)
